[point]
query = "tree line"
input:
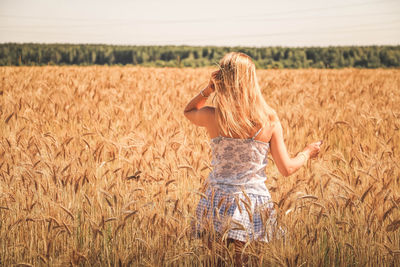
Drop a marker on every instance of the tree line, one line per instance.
(32, 54)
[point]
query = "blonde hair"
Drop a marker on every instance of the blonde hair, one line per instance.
(240, 106)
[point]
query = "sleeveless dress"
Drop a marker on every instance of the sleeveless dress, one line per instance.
(236, 201)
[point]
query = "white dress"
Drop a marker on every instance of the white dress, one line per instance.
(237, 201)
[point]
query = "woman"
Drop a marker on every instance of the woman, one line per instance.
(242, 128)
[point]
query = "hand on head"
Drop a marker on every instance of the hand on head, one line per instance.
(215, 75)
(211, 84)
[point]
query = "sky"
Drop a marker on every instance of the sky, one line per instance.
(256, 23)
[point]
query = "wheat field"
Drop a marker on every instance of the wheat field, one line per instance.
(99, 167)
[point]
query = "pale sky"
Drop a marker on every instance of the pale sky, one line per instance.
(206, 22)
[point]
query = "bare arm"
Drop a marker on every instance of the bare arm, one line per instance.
(287, 165)
(196, 111)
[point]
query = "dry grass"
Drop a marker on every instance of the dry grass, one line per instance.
(99, 167)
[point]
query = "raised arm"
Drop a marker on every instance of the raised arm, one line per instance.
(287, 165)
(195, 110)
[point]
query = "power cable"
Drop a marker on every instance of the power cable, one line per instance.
(195, 20)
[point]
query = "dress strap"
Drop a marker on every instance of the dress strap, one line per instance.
(259, 131)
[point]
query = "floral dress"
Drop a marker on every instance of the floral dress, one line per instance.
(237, 202)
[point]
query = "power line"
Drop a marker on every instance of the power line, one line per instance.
(325, 30)
(292, 33)
(344, 29)
(327, 16)
(260, 19)
(41, 29)
(324, 8)
(287, 33)
(195, 20)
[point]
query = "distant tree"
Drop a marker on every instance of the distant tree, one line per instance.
(264, 57)
(389, 58)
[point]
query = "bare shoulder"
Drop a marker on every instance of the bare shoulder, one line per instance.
(212, 125)
(208, 113)
(209, 109)
(269, 129)
(277, 131)
(201, 117)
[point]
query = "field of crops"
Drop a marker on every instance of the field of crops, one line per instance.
(98, 166)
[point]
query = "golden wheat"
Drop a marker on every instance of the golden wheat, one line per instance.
(99, 167)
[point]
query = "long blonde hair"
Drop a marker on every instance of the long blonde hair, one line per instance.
(240, 106)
